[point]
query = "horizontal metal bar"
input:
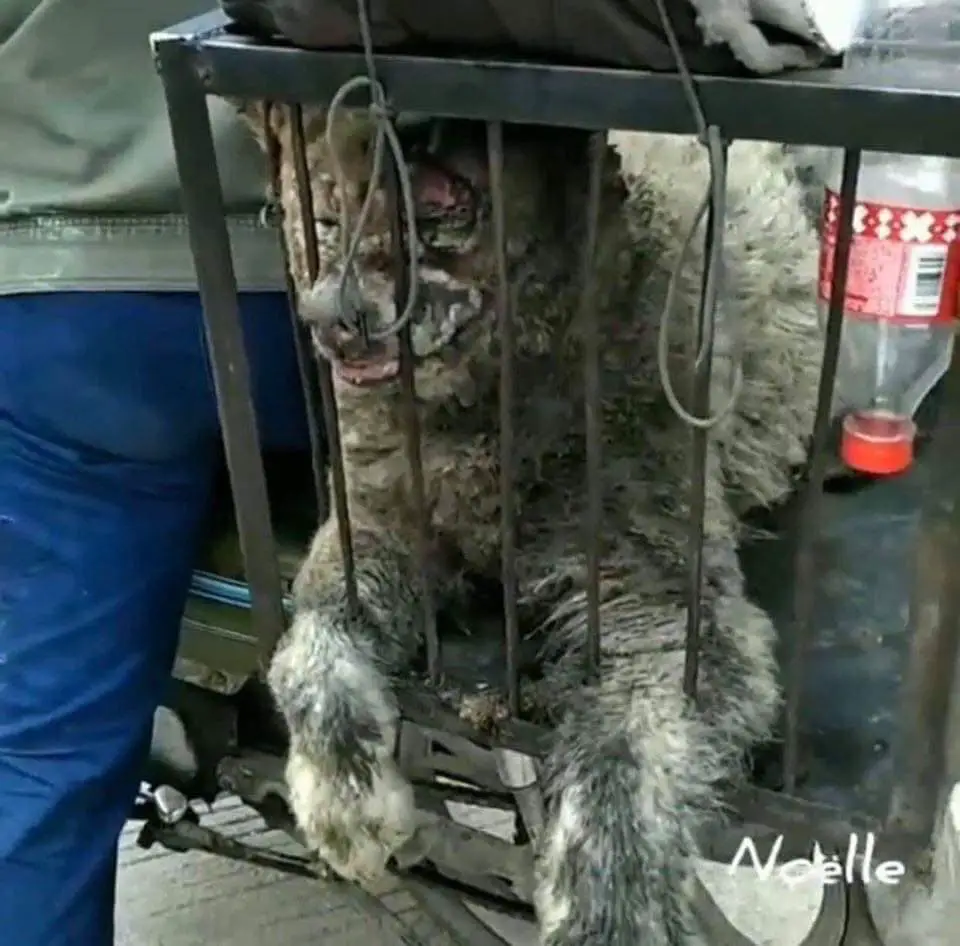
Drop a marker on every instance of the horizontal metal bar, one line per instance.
(823, 107)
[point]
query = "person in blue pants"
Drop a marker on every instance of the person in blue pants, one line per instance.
(109, 435)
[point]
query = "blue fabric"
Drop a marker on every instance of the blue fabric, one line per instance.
(109, 440)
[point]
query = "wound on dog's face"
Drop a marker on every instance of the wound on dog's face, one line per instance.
(355, 315)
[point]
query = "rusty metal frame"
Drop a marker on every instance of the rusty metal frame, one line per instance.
(201, 58)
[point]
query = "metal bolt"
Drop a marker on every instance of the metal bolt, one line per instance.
(170, 803)
(516, 770)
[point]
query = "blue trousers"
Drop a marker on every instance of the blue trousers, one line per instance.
(109, 441)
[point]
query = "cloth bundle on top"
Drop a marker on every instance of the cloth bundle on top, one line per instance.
(716, 36)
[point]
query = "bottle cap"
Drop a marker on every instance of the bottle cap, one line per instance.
(877, 442)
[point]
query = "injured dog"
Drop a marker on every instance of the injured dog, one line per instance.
(634, 766)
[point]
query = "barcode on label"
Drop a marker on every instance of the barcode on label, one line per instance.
(924, 283)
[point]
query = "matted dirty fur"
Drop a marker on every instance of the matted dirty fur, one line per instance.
(733, 23)
(634, 767)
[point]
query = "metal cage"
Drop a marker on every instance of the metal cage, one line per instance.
(202, 58)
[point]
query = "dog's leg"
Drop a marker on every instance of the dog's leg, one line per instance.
(635, 766)
(769, 322)
(331, 679)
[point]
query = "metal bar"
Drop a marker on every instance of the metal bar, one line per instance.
(411, 421)
(210, 244)
(465, 853)
(593, 417)
(508, 515)
(924, 736)
(185, 837)
(824, 107)
(860, 930)
(452, 912)
(415, 459)
(700, 406)
(328, 396)
(306, 364)
(520, 773)
(808, 522)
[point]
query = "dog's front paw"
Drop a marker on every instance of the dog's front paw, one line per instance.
(350, 801)
(353, 816)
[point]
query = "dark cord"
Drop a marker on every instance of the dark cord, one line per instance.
(712, 139)
(386, 137)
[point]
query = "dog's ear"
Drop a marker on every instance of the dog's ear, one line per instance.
(255, 114)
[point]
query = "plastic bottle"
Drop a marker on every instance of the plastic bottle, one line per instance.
(904, 278)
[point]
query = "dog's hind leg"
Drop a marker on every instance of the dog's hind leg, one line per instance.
(630, 775)
(636, 765)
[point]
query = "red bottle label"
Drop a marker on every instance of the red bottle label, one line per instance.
(904, 262)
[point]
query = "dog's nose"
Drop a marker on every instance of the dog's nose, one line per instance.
(338, 301)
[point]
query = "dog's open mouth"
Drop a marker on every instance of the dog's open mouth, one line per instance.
(379, 363)
(444, 312)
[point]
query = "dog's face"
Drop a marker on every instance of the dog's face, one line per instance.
(354, 311)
